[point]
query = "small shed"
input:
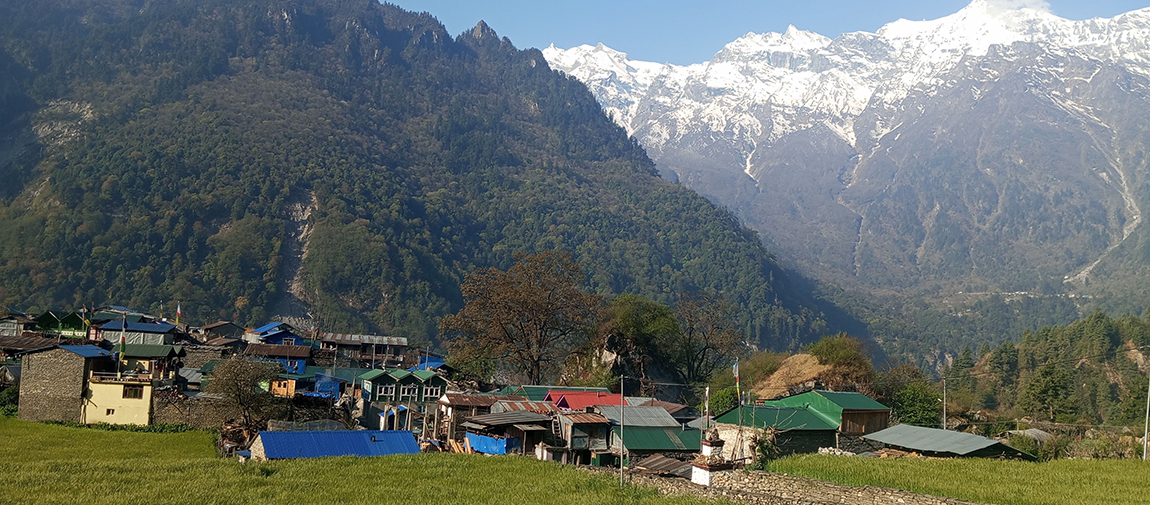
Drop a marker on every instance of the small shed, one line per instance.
(454, 407)
(318, 444)
(506, 432)
(643, 441)
(945, 443)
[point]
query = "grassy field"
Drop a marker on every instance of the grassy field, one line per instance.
(54, 464)
(987, 481)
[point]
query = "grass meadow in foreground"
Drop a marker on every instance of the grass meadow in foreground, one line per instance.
(986, 480)
(54, 464)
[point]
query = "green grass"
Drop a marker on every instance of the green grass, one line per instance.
(54, 464)
(985, 480)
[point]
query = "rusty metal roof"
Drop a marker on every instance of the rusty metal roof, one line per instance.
(355, 339)
(474, 400)
(509, 418)
(582, 418)
(661, 465)
(288, 351)
(524, 405)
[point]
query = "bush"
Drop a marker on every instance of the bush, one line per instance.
(151, 428)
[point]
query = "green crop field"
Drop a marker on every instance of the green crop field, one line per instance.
(987, 481)
(55, 464)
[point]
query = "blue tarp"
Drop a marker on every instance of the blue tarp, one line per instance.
(318, 444)
(266, 328)
(491, 445)
(427, 363)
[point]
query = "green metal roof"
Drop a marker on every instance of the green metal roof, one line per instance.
(851, 401)
(782, 418)
(423, 374)
(829, 404)
(944, 442)
(370, 375)
(659, 439)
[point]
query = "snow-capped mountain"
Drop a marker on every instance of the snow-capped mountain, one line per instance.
(818, 125)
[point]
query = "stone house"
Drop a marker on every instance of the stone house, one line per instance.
(54, 381)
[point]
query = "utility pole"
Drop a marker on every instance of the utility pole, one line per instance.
(944, 403)
(622, 413)
(1146, 427)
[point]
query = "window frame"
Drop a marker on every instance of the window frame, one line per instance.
(404, 391)
(134, 388)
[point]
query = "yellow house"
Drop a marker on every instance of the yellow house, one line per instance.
(125, 396)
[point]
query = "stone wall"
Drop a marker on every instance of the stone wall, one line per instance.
(809, 490)
(52, 386)
(765, 488)
(201, 411)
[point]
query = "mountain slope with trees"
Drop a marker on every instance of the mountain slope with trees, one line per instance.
(341, 161)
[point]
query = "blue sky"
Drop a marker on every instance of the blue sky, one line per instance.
(684, 32)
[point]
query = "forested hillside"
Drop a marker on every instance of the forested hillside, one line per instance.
(340, 160)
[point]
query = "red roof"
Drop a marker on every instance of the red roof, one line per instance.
(579, 400)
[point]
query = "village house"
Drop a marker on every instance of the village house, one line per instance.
(853, 414)
(293, 358)
(274, 333)
(402, 399)
(157, 333)
(70, 325)
(584, 435)
(54, 381)
(221, 329)
(370, 351)
(453, 407)
(798, 430)
(15, 324)
(124, 395)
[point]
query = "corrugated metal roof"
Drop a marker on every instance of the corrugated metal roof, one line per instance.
(318, 444)
(851, 401)
(192, 375)
(151, 351)
(584, 418)
(372, 374)
(353, 339)
(267, 327)
(474, 400)
(25, 342)
(538, 393)
(523, 405)
(286, 351)
(934, 440)
(671, 408)
(662, 465)
(639, 416)
(529, 427)
(642, 438)
(579, 400)
(221, 341)
(112, 326)
(783, 418)
(509, 418)
(87, 351)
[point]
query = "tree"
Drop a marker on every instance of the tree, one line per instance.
(917, 403)
(534, 314)
(851, 369)
(242, 382)
(706, 338)
(639, 331)
(1046, 392)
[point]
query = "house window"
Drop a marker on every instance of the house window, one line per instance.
(431, 391)
(387, 390)
(133, 391)
(293, 364)
(409, 390)
(289, 341)
(110, 412)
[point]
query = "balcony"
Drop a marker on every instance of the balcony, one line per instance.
(131, 378)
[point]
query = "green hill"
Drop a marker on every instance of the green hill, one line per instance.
(340, 159)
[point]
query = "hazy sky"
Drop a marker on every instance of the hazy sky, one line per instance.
(686, 32)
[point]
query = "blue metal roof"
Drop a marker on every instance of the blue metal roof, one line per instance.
(318, 444)
(137, 327)
(87, 351)
(427, 363)
(268, 327)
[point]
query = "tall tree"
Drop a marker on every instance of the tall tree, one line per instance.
(243, 383)
(638, 330)
(707, 338)
(532, 315)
